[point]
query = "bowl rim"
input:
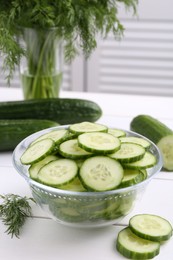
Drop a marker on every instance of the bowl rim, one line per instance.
(17, 164)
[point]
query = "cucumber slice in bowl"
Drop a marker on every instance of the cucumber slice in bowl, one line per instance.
(134, 247)
(38, 151)
(131, 177)
(136, 140)
(128, 153)
(88, 127)
(70, 149)
(148, 160)
(98, 142)
(58, 173)
(101, 173)
(151, 227)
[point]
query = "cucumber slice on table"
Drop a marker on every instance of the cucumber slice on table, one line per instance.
(38, 151)
(134, 247)
(98, 142)
(59, 172)
(84, 127)
(136, 140)
(70, 149)
(101, 173)
(151, 227)
(148, 160)
(129, 153)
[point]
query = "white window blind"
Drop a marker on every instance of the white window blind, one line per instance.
(142, 62)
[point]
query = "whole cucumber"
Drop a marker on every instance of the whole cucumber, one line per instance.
(61, 110)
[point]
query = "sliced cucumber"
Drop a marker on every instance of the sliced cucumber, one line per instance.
(88, 127)
(136, 140)
(34, 168)
(166, 147)
(149, 160)
(58, 173)
(56, 135)
(99, 142)
(128, 153)
(38, 151)
(116, 132)
(151, 227)
(101, 173)
(131, 177)
(134, 247)
(75, 185)
(70, 149)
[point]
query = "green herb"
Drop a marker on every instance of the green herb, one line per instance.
(14, 210)
(77, 22)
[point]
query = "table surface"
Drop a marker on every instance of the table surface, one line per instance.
(44, 239)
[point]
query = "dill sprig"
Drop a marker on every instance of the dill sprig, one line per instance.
(14, 210)
(78, 23)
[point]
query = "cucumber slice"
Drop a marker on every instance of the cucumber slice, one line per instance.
(58, 173)
(116, 132)
(84, 127)
(101, 173)
(128, 153)
(134, 247)
(34, 168)
(136, 140)
(56, 135)
(151, 227)
(75, 185)
(70, 149)
(38, 151)
(166, 147)
(149, 160)
(98, 142)
(131, 177)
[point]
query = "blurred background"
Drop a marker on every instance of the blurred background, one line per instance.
(141, 63)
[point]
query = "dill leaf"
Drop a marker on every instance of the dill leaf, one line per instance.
(13, 211)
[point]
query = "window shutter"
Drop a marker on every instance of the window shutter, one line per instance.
(142, 62)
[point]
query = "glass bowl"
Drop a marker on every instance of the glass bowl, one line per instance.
(84, 209)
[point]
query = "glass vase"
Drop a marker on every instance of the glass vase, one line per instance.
(41, 66)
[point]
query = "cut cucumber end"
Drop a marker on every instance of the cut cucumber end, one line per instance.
(166, 147)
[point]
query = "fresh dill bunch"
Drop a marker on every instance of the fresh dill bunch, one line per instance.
(13, 211)
(78, 23)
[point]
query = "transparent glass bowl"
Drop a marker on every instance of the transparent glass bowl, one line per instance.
(84, 209)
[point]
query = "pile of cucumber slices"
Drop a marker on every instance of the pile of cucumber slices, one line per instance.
(88, 157)
(143, 237)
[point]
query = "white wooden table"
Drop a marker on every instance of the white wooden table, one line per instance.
(44, 239)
